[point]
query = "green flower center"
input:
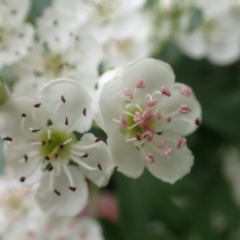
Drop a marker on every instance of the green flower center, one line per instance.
(56, 145)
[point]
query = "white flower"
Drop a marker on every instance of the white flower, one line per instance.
(120, 50)
(41, 145)
(216, 38)
(146, 116)
(108, 19)
(15, 35)
(16, 203)
(78, 61)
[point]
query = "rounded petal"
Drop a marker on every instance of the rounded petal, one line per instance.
(69, 203)
(173, 167)
(66, 99)
(155, 73)
(125, 155)
(14, 154)
(181, 124)
(11, 119)
(98, 155)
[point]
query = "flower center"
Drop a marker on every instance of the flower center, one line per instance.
(124, 46)
(55, 65)
(104, 11)
(56, 144)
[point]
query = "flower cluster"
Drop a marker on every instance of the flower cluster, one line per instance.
(62, 92)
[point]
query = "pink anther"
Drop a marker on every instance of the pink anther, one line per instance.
(152, 103)
(140, 83)
(168, 152)
(165, 91)
(150, 158)
(161, 143)
(123, 121)
(184, 109)
(137, 117)
(158, 115)
(127, 93)
(186, 91)
(181, 142)
(168, 119)
(147, 136)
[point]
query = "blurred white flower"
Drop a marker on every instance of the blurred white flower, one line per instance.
(79, 60)
(37, 151)
(112, 18)
(216, 37)
(146, 116)
(15, 35)
(120, 50)
(15, 203)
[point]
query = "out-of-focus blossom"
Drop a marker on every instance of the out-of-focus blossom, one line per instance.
(37, 150)
(216, 37)
(120, 50)
(45, 62)
(146, 116)
(15, 35)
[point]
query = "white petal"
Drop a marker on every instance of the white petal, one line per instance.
(169, 168)
(14, 153)
(192, 44)
(76, 100)
(181, 124)
(11, 118)
(97, 155)
(69, 203)
(90, 227)
(155, 72)
(125, 155)
(110, 102)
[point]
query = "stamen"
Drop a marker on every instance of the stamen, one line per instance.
(128, 113)
(50, 168)
(66, 121)
(150, 158)
(69, 176)
(131, 139)
(25, 157)
(186, 91)
(82, 164)
(66, 142)
(152, 103)
(57, 192)
(36, 143)
(22, 179)
(98, 139)
(147, 136)
(99, 166)
(198, 122)
(34, 130)
(63, 99)
(165, 91)
(123, 121)
(8, 139)
(181, 142)
(127, 93)
(168, 119)
(85, 155)
(37, 105)
(184, 109)
(84, 112)
(161, 143)
(140, 84)
(168, 152)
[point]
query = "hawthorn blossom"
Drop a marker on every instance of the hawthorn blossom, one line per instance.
(216, 37)
(79, 60)
(15, 35)
(120, 50)
(41, 146)
(15, 203)
(109, 19)
(49, 228)
(146, 117)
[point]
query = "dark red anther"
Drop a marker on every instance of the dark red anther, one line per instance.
(37, 105)
(66, 121)
(63, 99)
(24, 115)
(22, 179)
(98, 139)
(57, 192)
(85, 155)
(25, 157)
(7, 139)
(99, 166)
(73, 189)
(84, 111)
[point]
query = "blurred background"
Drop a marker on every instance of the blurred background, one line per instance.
(205, 204)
